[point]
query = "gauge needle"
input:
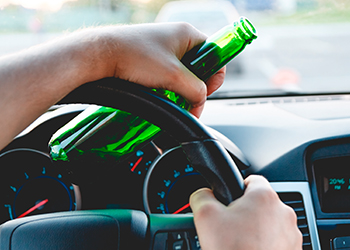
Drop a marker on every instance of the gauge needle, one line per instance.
(41, 203)
(182, 208)
(136, 163)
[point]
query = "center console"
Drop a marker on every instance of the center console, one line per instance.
(328, 165)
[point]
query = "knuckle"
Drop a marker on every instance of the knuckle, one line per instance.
(200, 95)
(296, 237)
(299, 237)
(291, 217)
(174, 74)
(290, 214)
(185, 27)
(185, 31)
(291, 220)
(266, 195)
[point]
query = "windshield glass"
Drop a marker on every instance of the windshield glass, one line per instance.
(302, 45)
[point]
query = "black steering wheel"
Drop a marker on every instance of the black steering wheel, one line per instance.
(130, 229)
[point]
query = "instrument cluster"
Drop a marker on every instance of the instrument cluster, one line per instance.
(153, 178)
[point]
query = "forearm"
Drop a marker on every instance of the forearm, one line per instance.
(35, 79)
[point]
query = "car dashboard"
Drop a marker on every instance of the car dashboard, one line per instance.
(301, 144)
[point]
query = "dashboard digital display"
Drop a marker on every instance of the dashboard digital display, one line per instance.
(333, 184)
(337, 184)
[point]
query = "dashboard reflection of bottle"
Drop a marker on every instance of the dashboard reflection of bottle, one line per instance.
(124, 133)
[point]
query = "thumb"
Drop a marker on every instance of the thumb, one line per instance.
(202, 199)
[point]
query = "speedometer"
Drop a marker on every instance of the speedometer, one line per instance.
(32, 185)
(169, 184)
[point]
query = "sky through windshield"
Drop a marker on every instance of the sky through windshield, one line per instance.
(302, 44)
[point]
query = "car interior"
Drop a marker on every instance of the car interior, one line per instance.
(296, 134)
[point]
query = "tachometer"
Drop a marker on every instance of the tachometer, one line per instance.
(142, 159)
(169, 184)
(32, 185)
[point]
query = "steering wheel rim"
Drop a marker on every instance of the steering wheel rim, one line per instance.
(201, 148)
(203, 151)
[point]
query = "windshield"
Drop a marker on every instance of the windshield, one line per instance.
(302, 45)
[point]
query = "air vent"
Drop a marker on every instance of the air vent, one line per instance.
(295, 201)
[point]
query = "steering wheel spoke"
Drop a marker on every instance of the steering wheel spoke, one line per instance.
(173, 232)
(94, 229)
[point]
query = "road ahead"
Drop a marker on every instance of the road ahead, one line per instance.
(311, 58)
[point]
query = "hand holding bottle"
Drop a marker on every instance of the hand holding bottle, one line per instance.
(150, 54)
(204, 60)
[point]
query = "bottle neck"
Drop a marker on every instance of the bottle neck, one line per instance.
(245, 30)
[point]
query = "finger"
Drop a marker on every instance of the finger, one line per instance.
(183, 82)
(215, 81)
(212, 84)
(253, 182)
(258, 189)
(197, 111)
(192, 88)
(194, 36)
(203, 198)
(187, 84)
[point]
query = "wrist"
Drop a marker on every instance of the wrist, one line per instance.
(95, 53)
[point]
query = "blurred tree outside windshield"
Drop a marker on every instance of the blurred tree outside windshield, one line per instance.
(302, 44)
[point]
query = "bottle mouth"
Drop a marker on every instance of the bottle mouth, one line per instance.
(248, 30)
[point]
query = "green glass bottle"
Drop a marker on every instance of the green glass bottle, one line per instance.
(100, 133)
(207, 58)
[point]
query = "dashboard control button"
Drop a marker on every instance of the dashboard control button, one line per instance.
(177, 241)
(179, 245)
(341, 243)
(177, 235)
(160, 241)
(194, 241)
